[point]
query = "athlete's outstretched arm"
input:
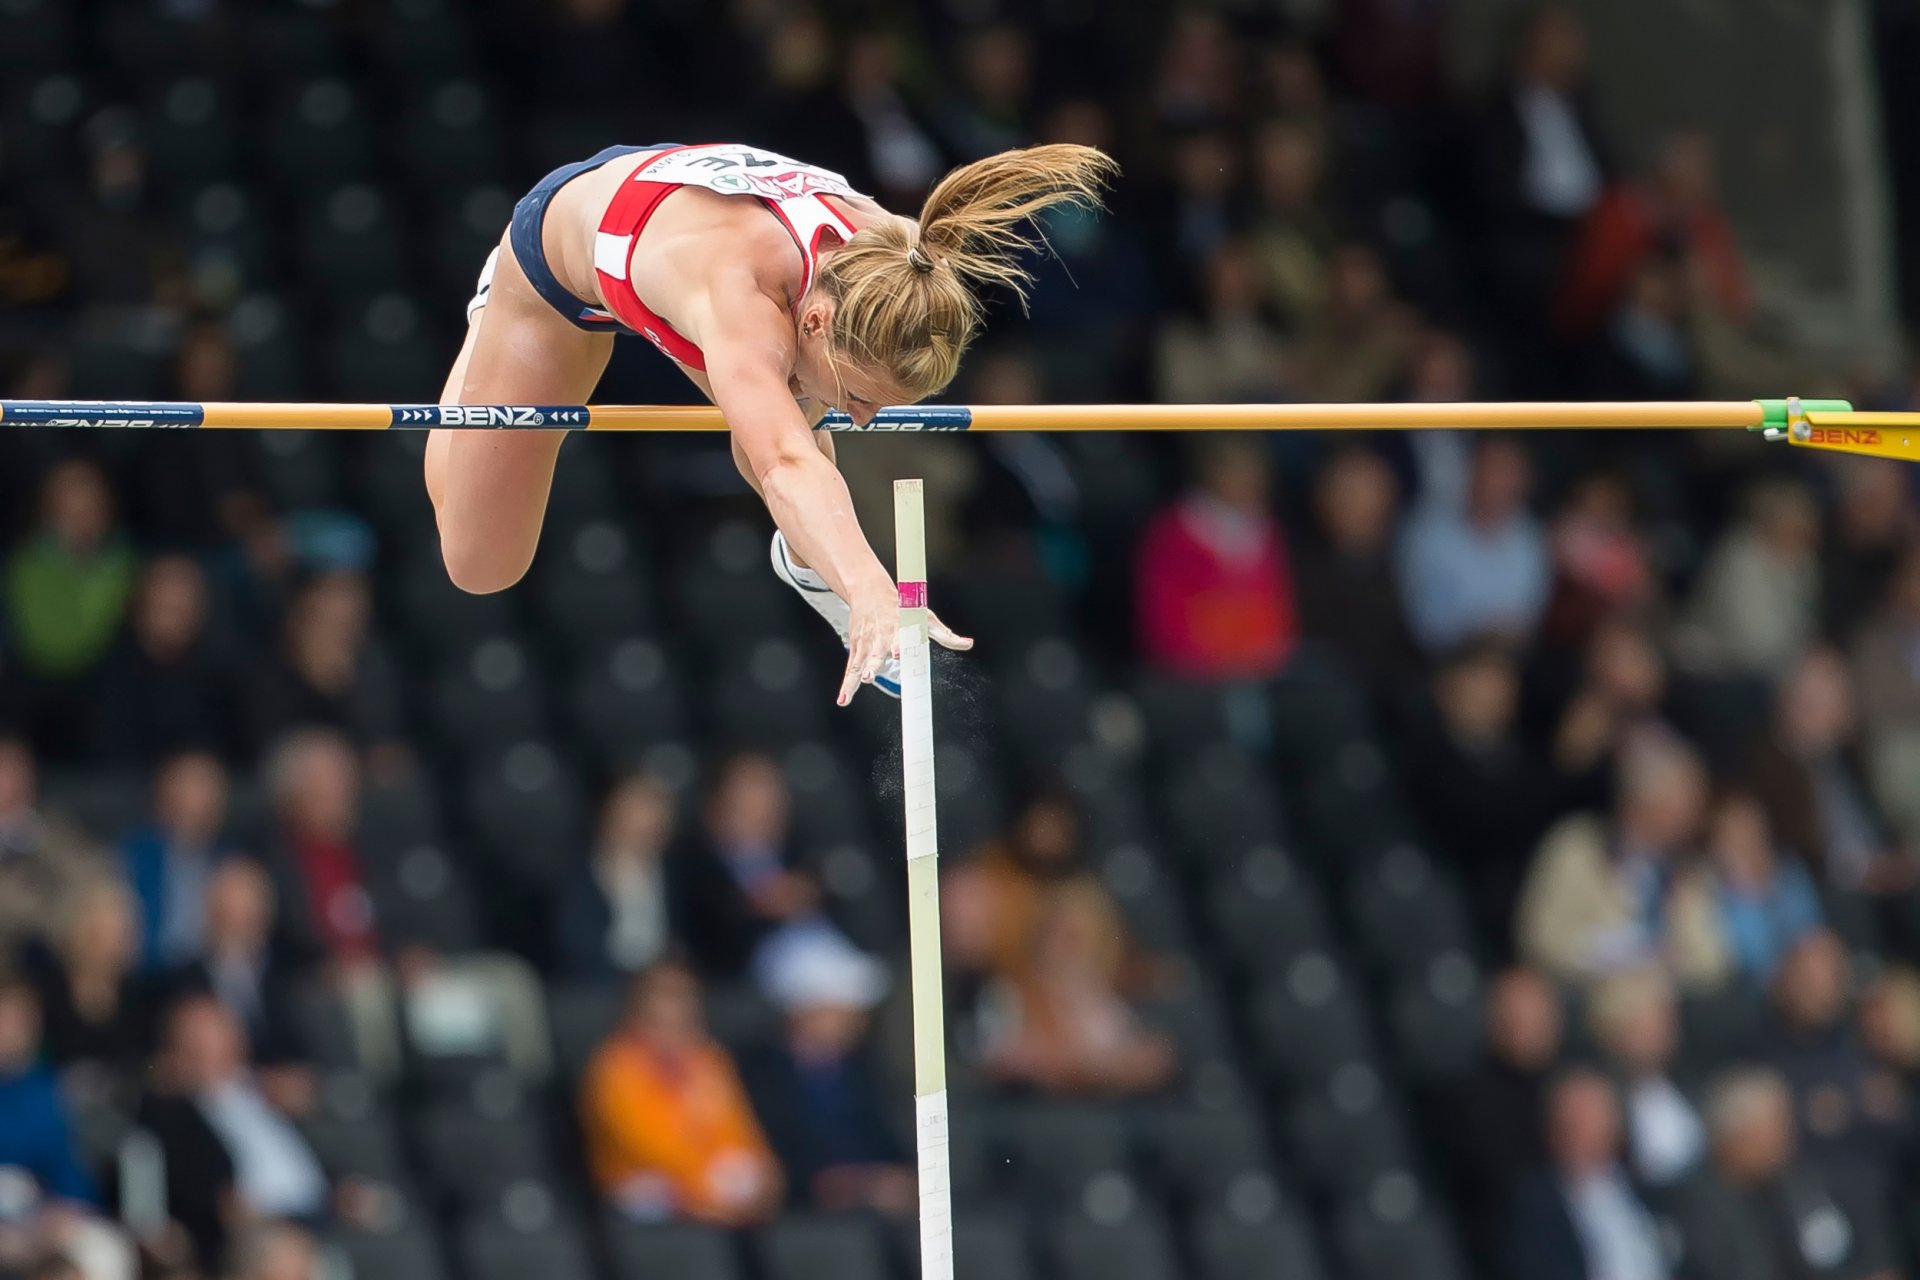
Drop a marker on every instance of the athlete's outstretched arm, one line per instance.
(749, 356)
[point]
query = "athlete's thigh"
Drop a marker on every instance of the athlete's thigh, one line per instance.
(493, 484)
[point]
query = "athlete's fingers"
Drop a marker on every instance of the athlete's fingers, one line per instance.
(945, 636)
(851, 681)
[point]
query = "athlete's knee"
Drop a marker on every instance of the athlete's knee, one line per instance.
(480, 564)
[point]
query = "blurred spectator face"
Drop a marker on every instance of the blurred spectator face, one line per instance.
(239, 908)
(19, 780)
(998, 66)
(1787, 521)
(1199, 68)
(1234, 472)
(1624, 666)
(1356, 282)
(101, 933)
(1663, 796)
(827, 1032)
(19, 1026)
(1751, 1121)
(1903, 593)
(171, 608)
(76, 505)
(1442, 371)
(328, 623)
(1205, 166)
(1639, 1025)
(1876, 501)
(1287, 164)
(190, 796)
(1685, 172)
(1655, 293)
(591, 13)
(317, 786)
(665, 1010)
(119, 173)
(637, 820)
(1497, 490)
(1084, 121)
(1293, 83)
(1890, 1020)
(749, 807)
(1355, 500)
(1583, 1122)
(1046, 837)
(1553, 53)
(1523, 1020)
(1233, 282)
(1740, 843)
(1601, 500)
(1479, 696)
(205, 1045)
(800, 52)
(1812, 986)
(278, 1251)
(870, 63)
(207, 367)
(1006, 378)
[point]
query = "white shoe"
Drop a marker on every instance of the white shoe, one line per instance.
(815, 591)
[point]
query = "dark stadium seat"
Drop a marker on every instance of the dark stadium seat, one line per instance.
(809, 1247)
(36, 36)
(528, 811)
(1044, 700)
(189, 133)
(771, 696)
(592, 586)
(423, 897)
(1266, 909)
(318, 136)
(1308, 1020)
(1057, 1150)
(349, 244)
(1281, 1248)
(411, 1252)
(477, 1160)
(1346, 1135)
(1437, 1019)
(488, 696)
(1412, 1244)
(424, 40)
(1221, 803)
(492, 1250)
(670, 1251)
(399, 812)
(1200, 1155)
(366, 1148)
(581, 1016)
(380, 353)
(450, 133)
(627, 699)
(1138, 1250)
(1007, 612)
(832, 801)
(988, 1243)
(1406, 911)
(730, 599)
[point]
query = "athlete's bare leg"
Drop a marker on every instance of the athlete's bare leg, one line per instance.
(489, 488)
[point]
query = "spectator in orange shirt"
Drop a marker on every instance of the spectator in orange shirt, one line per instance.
(669, 1130)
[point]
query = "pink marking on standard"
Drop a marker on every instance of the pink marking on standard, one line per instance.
(913, 595)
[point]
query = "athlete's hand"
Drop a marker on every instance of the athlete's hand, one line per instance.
(873, 636)
(945, 636)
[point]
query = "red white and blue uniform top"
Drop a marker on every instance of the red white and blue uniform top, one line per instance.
(790, 188)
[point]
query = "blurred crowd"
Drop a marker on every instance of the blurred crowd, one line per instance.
(1653, 705)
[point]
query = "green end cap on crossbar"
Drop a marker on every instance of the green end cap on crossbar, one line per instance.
(1774, 417)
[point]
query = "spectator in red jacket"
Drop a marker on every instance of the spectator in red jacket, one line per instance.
(1214, 581)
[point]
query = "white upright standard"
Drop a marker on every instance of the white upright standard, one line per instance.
(923, 886)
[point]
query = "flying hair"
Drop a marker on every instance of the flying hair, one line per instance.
(906, 297)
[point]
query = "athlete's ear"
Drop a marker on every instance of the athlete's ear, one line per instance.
(816, 317)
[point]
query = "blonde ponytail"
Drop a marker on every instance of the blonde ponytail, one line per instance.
(906, 299)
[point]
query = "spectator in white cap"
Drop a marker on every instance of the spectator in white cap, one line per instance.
(817, 1091)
